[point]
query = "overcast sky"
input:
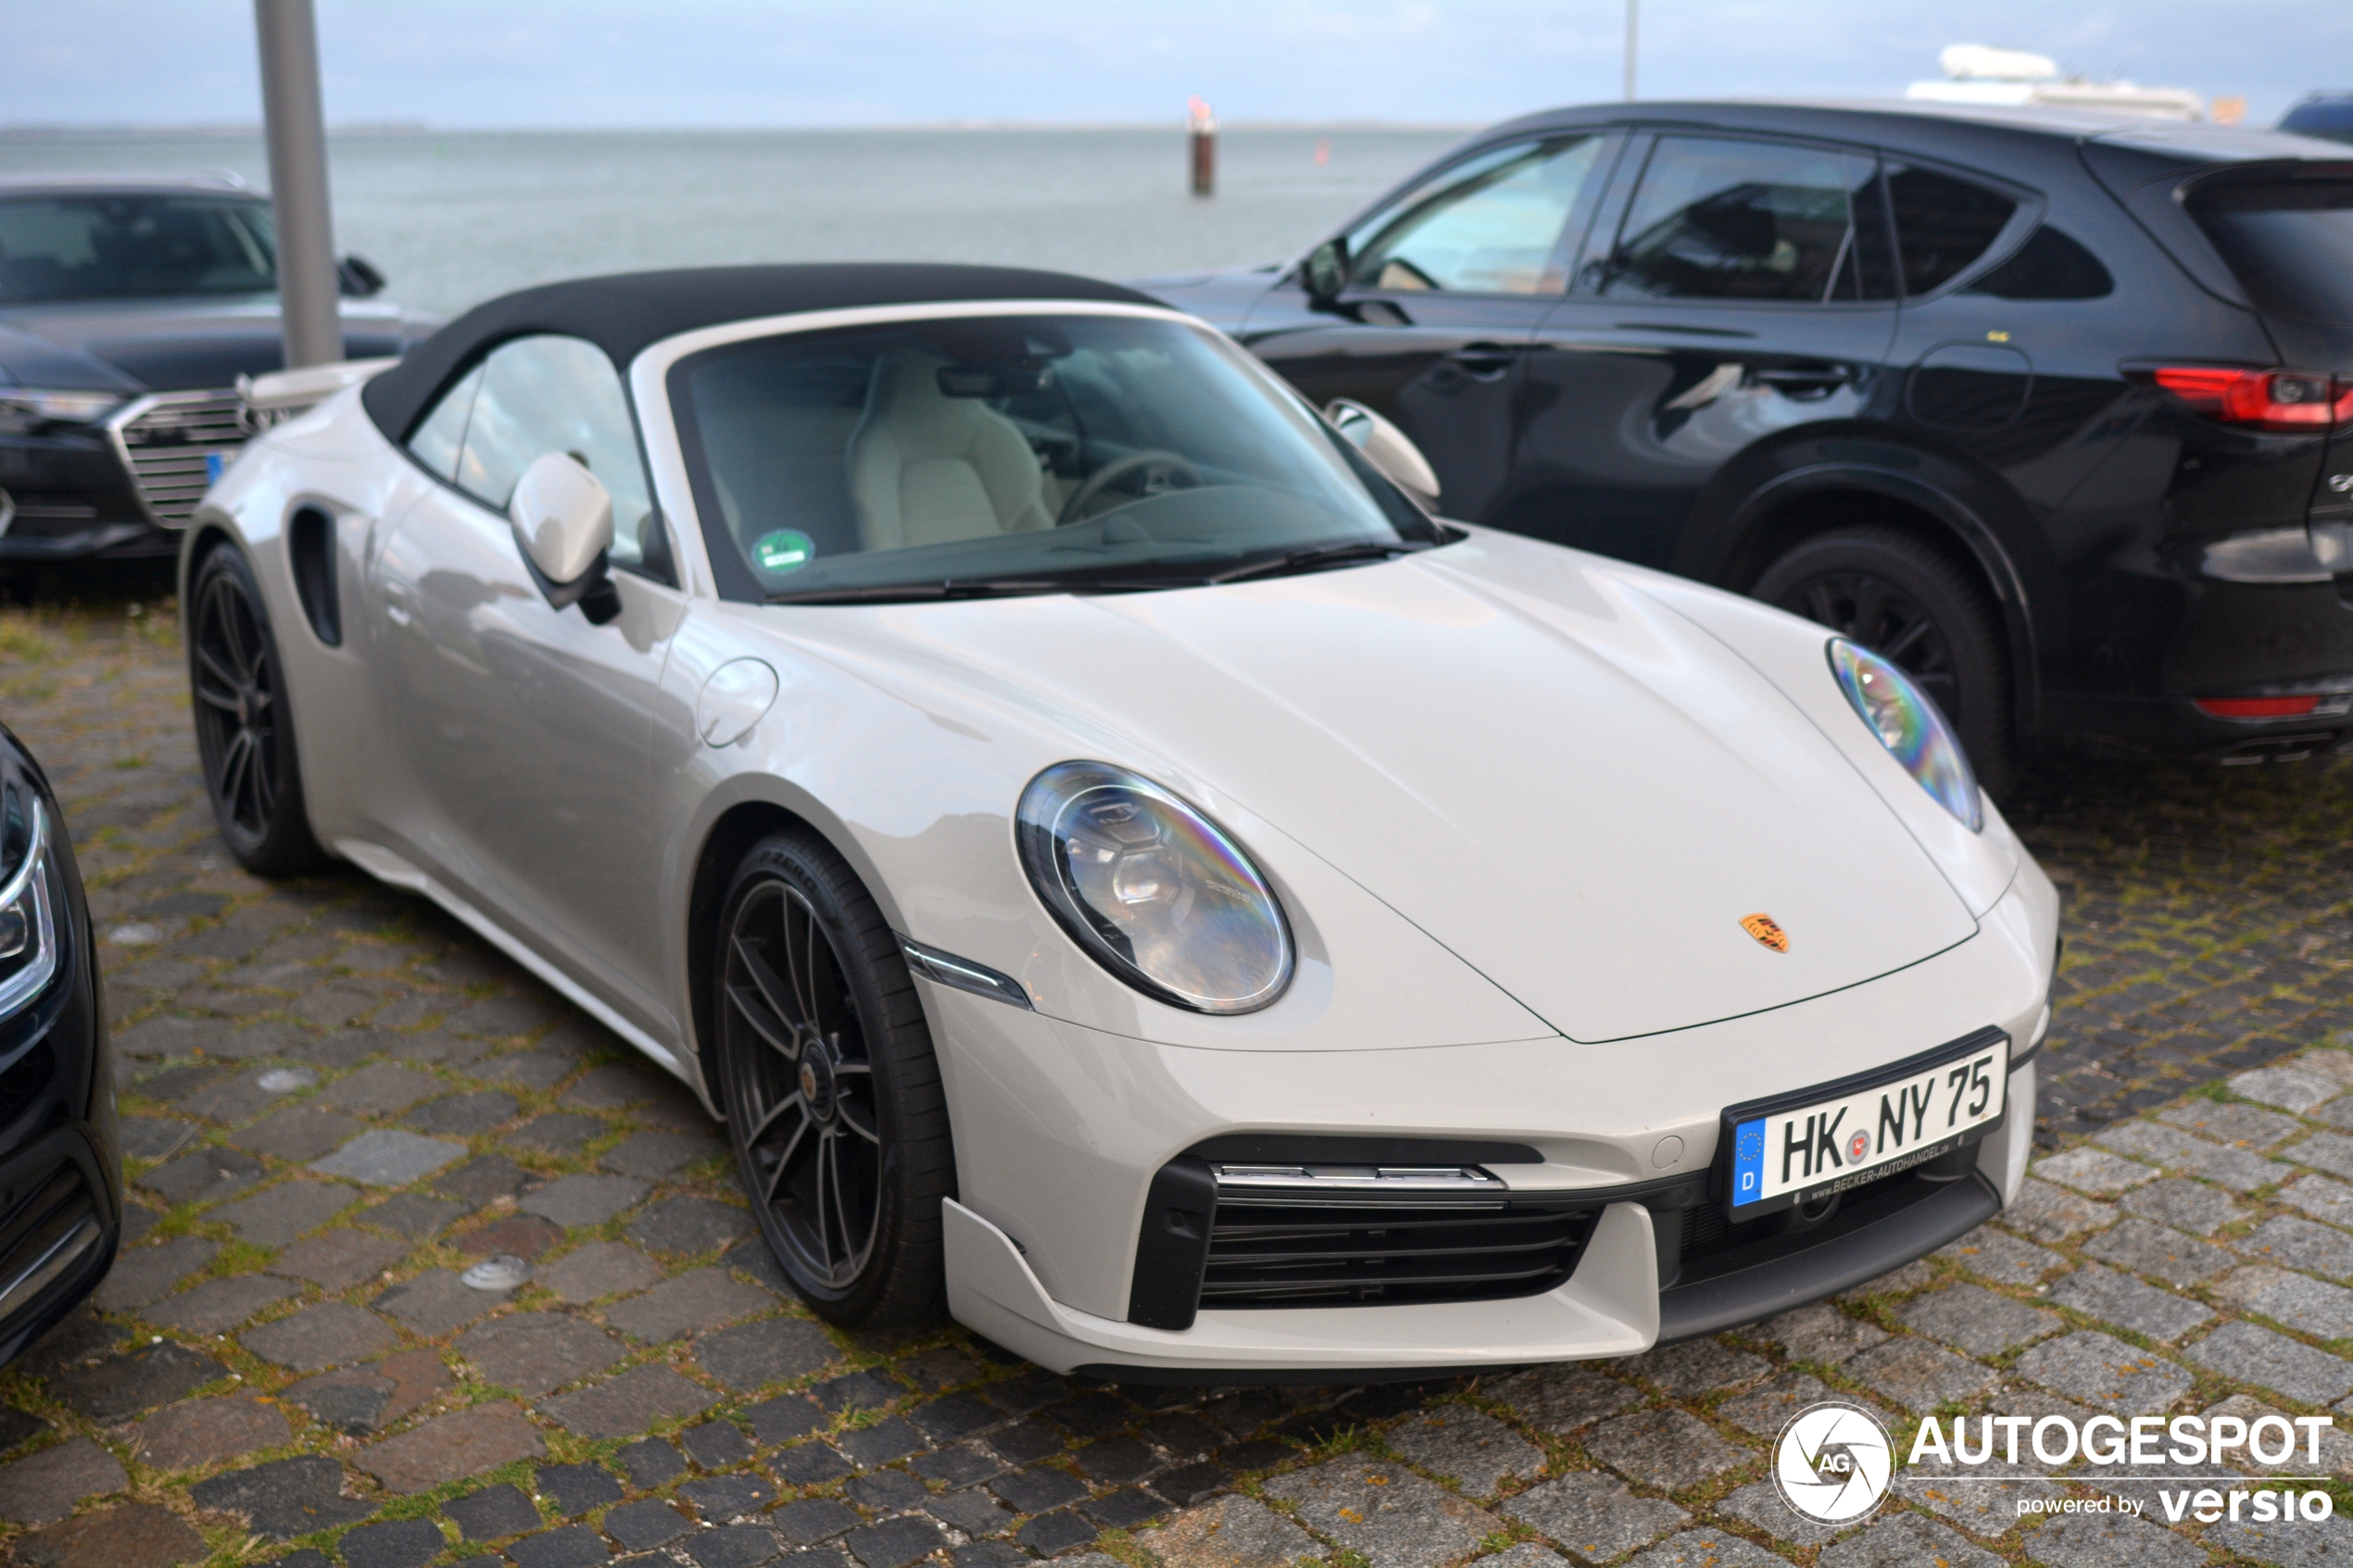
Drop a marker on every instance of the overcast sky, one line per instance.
(563, 63)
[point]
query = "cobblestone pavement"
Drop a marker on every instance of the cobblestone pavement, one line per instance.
(336, 1100)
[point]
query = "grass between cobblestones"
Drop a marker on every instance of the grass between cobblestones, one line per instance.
(2191, 1146)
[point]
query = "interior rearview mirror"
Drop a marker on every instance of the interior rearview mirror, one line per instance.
(562, 518)
(1325, 272)
(1386, 448)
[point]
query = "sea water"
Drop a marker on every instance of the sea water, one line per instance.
(454, 218)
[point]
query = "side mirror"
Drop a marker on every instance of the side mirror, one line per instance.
(1386, 448)
(358, 277)
(564, 525)
(1325, 272)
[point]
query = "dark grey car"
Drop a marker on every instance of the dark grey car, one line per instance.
(127, 310)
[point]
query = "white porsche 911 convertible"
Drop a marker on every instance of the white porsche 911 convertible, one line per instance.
(1121, 868)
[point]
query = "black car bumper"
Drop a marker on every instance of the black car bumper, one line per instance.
(122, 487)
(66, 494)
(60, 1152)
(2232, 644)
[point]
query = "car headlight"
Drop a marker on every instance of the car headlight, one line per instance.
(1907, 724)
(21, 408)
(28, 927)
(1154, 891)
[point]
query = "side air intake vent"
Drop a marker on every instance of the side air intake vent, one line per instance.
(310, 548)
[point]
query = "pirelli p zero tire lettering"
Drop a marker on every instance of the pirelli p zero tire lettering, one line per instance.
(833, 1095)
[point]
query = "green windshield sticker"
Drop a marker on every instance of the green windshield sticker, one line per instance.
(787, 549)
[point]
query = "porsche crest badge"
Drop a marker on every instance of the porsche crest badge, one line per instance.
(1768, 930)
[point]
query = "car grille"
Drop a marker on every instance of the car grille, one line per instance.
(1287, 1238)
(25, 1082)
(52, 1226)
(1711, 1242)
(169, 440)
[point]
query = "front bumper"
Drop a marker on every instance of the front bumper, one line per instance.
(1061, 1130)
(122, 488)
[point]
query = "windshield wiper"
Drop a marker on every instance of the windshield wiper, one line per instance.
(955, 588)
(1319, 556)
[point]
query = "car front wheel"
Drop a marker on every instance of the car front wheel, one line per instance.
(245, 729)
(1900, 599)
(831, 1093)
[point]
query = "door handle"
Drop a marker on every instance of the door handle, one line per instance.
(1800, 381)
(1484, 360)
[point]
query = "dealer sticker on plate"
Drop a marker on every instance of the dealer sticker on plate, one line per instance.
(1843, 1142)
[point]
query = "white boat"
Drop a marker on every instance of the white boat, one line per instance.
(1976, 74)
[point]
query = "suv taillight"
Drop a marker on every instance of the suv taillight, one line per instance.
(2280, 400)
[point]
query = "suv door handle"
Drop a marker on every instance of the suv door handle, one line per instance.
(1485, 360)
(1799, 381)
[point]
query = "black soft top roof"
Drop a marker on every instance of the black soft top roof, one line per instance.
(624, 312)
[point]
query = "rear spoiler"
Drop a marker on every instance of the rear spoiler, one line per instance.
(2154, 185)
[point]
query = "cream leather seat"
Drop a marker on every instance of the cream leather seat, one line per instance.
(925, 467)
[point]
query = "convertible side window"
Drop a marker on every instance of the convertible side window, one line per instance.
(1716, 218)
(557, 393)
(441, 435)
(1497, 224)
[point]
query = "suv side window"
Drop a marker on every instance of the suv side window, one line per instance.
(555, 393)
(1716, 218)
(1942, 225)
(2050, 265)
(1497, 224)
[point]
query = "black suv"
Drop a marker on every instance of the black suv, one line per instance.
(127, 310)
(2054, 409)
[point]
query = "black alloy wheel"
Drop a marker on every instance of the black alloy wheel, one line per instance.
(244, 728)
(1913, 605)
(833, 1095)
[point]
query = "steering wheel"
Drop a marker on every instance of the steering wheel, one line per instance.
(1178, 469)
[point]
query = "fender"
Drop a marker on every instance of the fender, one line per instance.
(1714, 553)
(685, 866)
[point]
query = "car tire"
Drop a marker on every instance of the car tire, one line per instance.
(831, 1093)
(244, 724)
(1914, 604)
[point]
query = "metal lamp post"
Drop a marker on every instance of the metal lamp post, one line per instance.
(294, 125)
(1633, 9)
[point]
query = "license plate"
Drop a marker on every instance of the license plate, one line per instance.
(1801, 1147)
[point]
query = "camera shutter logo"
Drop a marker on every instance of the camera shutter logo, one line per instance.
(1834, 1462)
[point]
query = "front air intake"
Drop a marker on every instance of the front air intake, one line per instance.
(1223, 1236)
(50, 1227)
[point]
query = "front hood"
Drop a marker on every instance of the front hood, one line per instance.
(1221, 298)
(29, 360)
(1563, 781)
(184, 345)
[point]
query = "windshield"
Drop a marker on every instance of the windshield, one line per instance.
(1012, 454)
(130, 246)
(2290, 244)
